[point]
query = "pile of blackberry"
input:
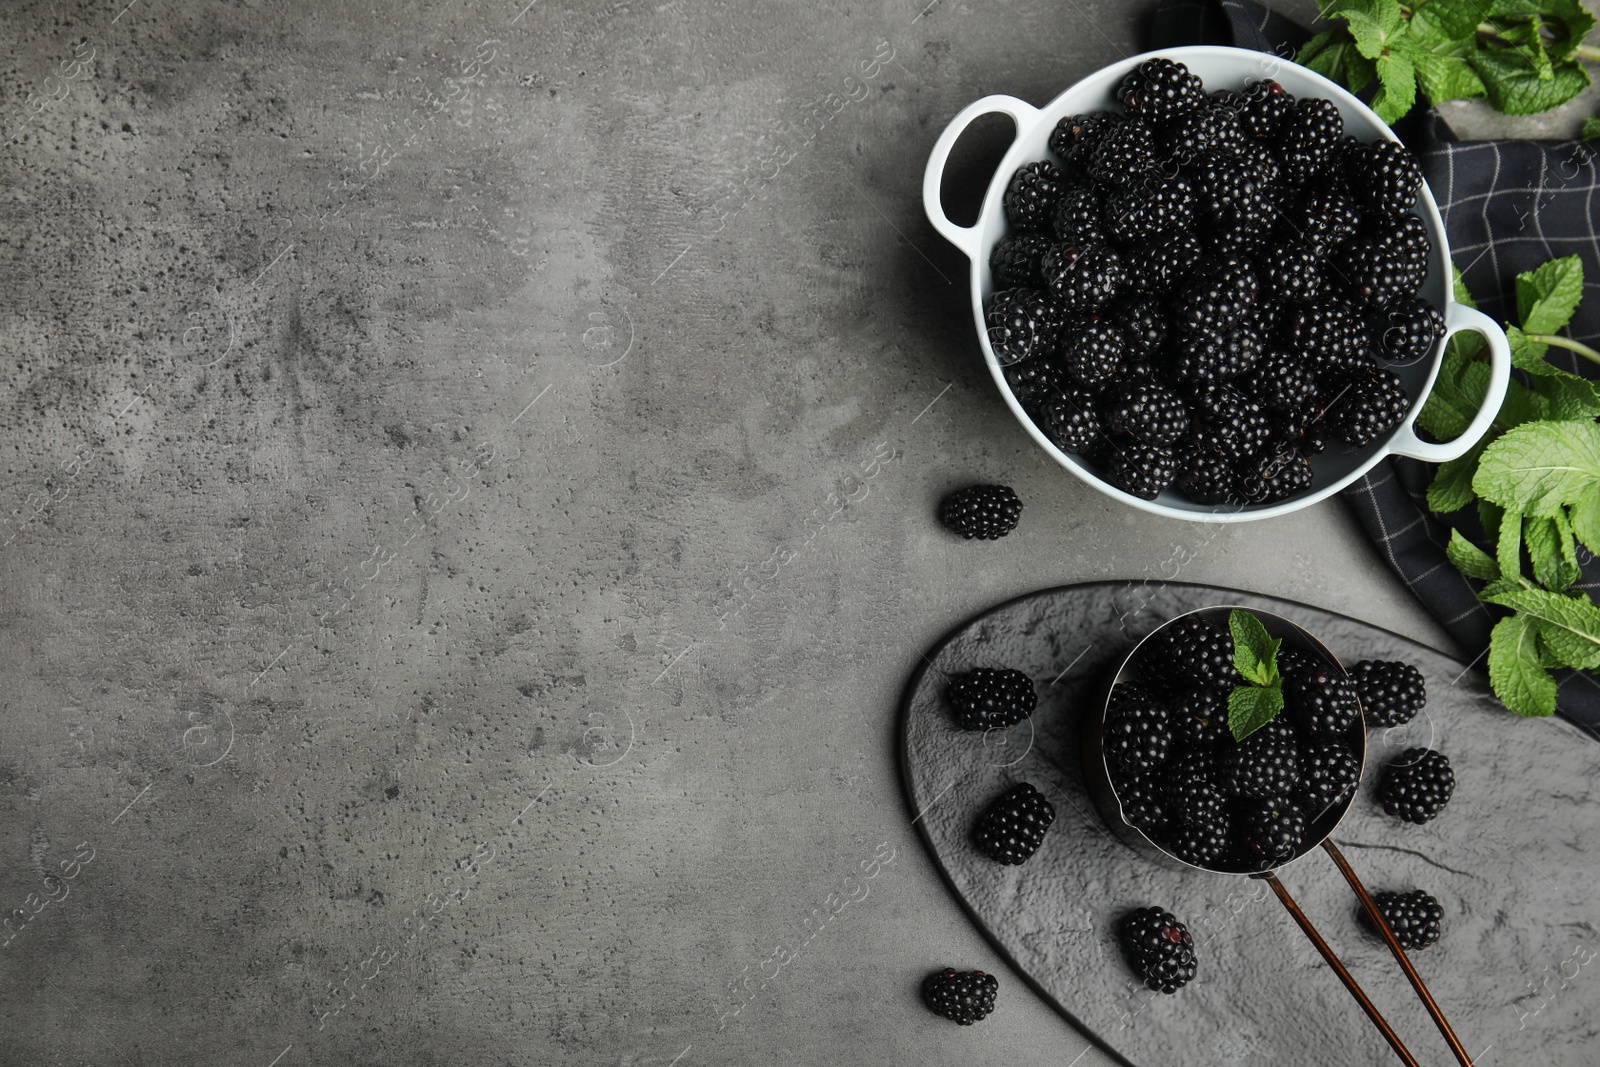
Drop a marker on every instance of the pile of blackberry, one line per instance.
(1202, 291)
(1206, 798)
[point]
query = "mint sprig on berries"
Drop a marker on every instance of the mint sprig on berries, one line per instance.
(1522, 55)
(1255, 656)
(1535, 482)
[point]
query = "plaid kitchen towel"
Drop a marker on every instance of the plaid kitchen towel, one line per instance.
(1508, 206)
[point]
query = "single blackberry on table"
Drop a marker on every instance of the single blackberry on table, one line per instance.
(1207, 478)
(1391, 692)
(1080, 217)
(1329, 772)
(1143, 322)
(1204, 844)
(1194, 795)
(1141, 470)
(1387, 260)
(1383, 175)
(1160, 90)
(1012, 828)
(1262, 108)
(1323, 701)
(1269, 832)
(1159, 948)
(1092, 351)
(1371, 402)
(1014, 263)
(1404, 330)
(1414, 918)
(1273, 475)
(987, 697)
(1126, 155)
(986, 512)
(1082, 277)
(1218, 293)
(1187, 136)
(1144, 803)
(1077, 136)
(1328, 335)
(1282, 381)
(1021, 323)
(1418, 785)
(1161, 205)
(1032, 194)
(1228, 422)
(1290, 271)
(1199, 719)
(1138, 729)
(1146, 411)
(1262, 766)
(1324, 218)
(1306, 137)
(1190, 651)
(961, 996)
(1072, 420)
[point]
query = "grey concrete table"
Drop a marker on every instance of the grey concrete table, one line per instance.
(468, 473)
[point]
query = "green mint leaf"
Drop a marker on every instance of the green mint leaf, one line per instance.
(1446, 76)
(1448, 20)
(1569, 626)
(1568, 544)
(1489, 515)
(1539, 467)
(1517, 85)
(1451, 488)
(1584, 516)
(1521, 406)
(1459, 285)
(1333, 55)
(1398, 78)
(1504, 585)
(1529, 355)
(1568, 399)
(1548, 294)
(1372, 22)
(1591, 129)
(1550, 550)
(1516, 670)
(1255, 652)
(1469, 559)
(1508, 545)
(1250, 707)
(1562, 25)
(1455, 398)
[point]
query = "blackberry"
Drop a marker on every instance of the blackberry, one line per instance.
(1207, 478)
(1032, 194)
(1160, 264)
(986, 512)
(1306, 137)
(1327, 335)
(1014, 263)
(1227, 133)
(1187, 136)
(1194, 796)
(1323, 701)
(1391, 692)
(1012, 828)
(1218, 295)
(1274, 475)
(1414, 918)
(1082, 277)
(1124, 156)
(960, 996)
(1219, 181)
(1262, 108)
(1290, 271)
(1387, 260)
(1270, 831)
(1262, 767)
(1259, 158)
(1148, 412)
(1143, 801)
(1164, 205)
(1204, 354)
(1282, 381)
(1080, 217)
(1200, 719)
(1159, 948)
(1229, 423)
(1191, 651)
(1383, 175)
(1418, 785)
(1371, 402)
(1404, 330)
(1092, 351)
(1204, 844)
(1325, 218)
(1077, 136)
(987, 697)
(1143, 323)
(1021, 323)
(1072, 421)
(1305, 431)
(1138, 729)
(1141, 470)
(1161, 90)
(1034, 382)
(1329, 773)
(1243, 228)
(1294, 662)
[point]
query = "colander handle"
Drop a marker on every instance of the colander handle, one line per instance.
(1458, 318)
(964, 237)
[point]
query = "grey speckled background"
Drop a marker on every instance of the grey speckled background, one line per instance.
(396, 718)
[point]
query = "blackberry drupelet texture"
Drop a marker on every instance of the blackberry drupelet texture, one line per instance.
(1371, 402)
(1405, 329)
(1138, 729)
(1263, 767)
(1383, 175)
(1092, 350)
(963, 997)
(1072, 420)
(1147, 412)
(1083, 278)
(1015, 261)
(1306, 138)
(1159, 947)
(1329, 772)
(1273, 475)
(1141, 470)
(1391, 692)
(1012, 828)
(1032, 194)
(1270, 831)
(986, 512)
(1077, 136)
(1262, 108)
(1190, 651)
(1126, 155)
(1021, 323)
(1414, 918)
(988, 697)
(1160, 90)
(1323, 701)
(1418, 785)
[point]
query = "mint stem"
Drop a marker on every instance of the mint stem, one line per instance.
(1565, 342)
(1587, 51)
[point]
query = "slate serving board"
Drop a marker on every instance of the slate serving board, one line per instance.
(1511, 860)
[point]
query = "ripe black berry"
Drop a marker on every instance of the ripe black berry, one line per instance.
(1371, 402)
(1012, 828)
(1262, 107)
(1405, 329)
(1161, 205)
(1282, 381)
(1143, 322)
(1080, 217)
(1194, 795)
(1141, 470)
(1306, 137)
(961, 996)
(1077, 136)
(1092, 351)
(1329, 336)
(1207, 478)
(1162, 263)
(1414, 918)
(1147, 412)
(1082, 277)
(1323, 701)
(1275, 474)
(1383, 175)
(1072, 420)
(1189, 651)
(1329, 772)
(1229, 423)
(1138, 729)
(1159, 947)
(1021, 323)
(1206, 354)
(1324, 218)
(986, 512)
(1290, 271)
(1418, 785)
(1386, 260)
(1391, 692)
(1161, 90)
(1270, 832)
(1262, 766)
(1035, 381)
(988, 697)
(1014, 263)
(1031, 196)
(1124, 156)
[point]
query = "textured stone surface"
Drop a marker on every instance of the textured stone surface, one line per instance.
(1510, 859)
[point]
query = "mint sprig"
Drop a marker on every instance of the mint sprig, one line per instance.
(1535, 482)
(1522, 55)
(1255, 656)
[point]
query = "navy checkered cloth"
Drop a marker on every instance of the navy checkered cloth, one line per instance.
(1508, 206)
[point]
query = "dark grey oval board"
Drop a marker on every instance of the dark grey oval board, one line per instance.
(1511, 859)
